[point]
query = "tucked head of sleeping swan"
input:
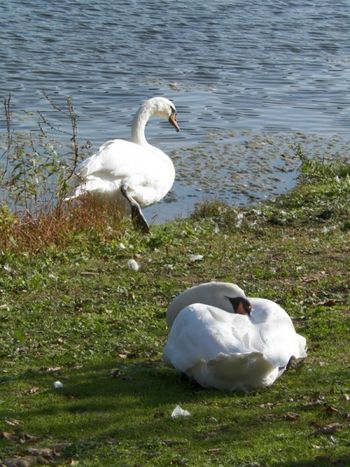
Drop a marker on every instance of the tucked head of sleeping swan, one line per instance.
(225, 340)
(133, 173)
(219, 294)
(241, 305)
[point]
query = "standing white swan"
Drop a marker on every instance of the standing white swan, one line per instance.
(135, 173)
(244, 347)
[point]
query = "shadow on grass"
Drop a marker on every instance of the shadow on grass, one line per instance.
(107, 398)
(318, 461)
(113, 385)
(126, 406)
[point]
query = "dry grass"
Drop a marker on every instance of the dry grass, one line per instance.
(58, 225)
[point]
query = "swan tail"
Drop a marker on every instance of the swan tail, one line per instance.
(248, 370)
(79, 191)
(95, 186)
(235, 372)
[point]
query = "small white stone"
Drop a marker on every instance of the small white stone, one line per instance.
(58, 385)
(325, 229)
(7, 268)
(194, 258)
(121, 246)
(134, 265)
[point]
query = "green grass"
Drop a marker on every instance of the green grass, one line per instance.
(79, 315)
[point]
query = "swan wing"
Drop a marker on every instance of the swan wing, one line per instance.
(202, 332)
(146, 171)
(117, 158)
(216, 349)
(277, 333)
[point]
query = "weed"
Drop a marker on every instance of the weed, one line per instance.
(36, 175)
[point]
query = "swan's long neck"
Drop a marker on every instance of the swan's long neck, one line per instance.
(139, 125)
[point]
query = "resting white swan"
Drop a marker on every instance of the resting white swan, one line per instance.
(245, 346)
(135, 173)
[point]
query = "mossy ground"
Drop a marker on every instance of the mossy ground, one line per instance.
(79, 315)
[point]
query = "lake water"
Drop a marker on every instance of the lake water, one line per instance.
(250, 80)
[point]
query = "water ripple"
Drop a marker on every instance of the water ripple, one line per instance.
(262, 65)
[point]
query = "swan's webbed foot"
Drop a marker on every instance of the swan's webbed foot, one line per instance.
(137, 217)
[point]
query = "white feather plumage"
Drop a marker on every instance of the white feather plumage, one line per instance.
(230, 351)
(145, 171)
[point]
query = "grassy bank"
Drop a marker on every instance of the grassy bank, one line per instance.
(75, 312)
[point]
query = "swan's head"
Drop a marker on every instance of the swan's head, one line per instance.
(241, 305)
(164, 108)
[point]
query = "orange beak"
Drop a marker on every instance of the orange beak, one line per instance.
(244, 310)
(173, 122)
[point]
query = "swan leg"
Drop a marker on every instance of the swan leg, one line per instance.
(137, 217)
